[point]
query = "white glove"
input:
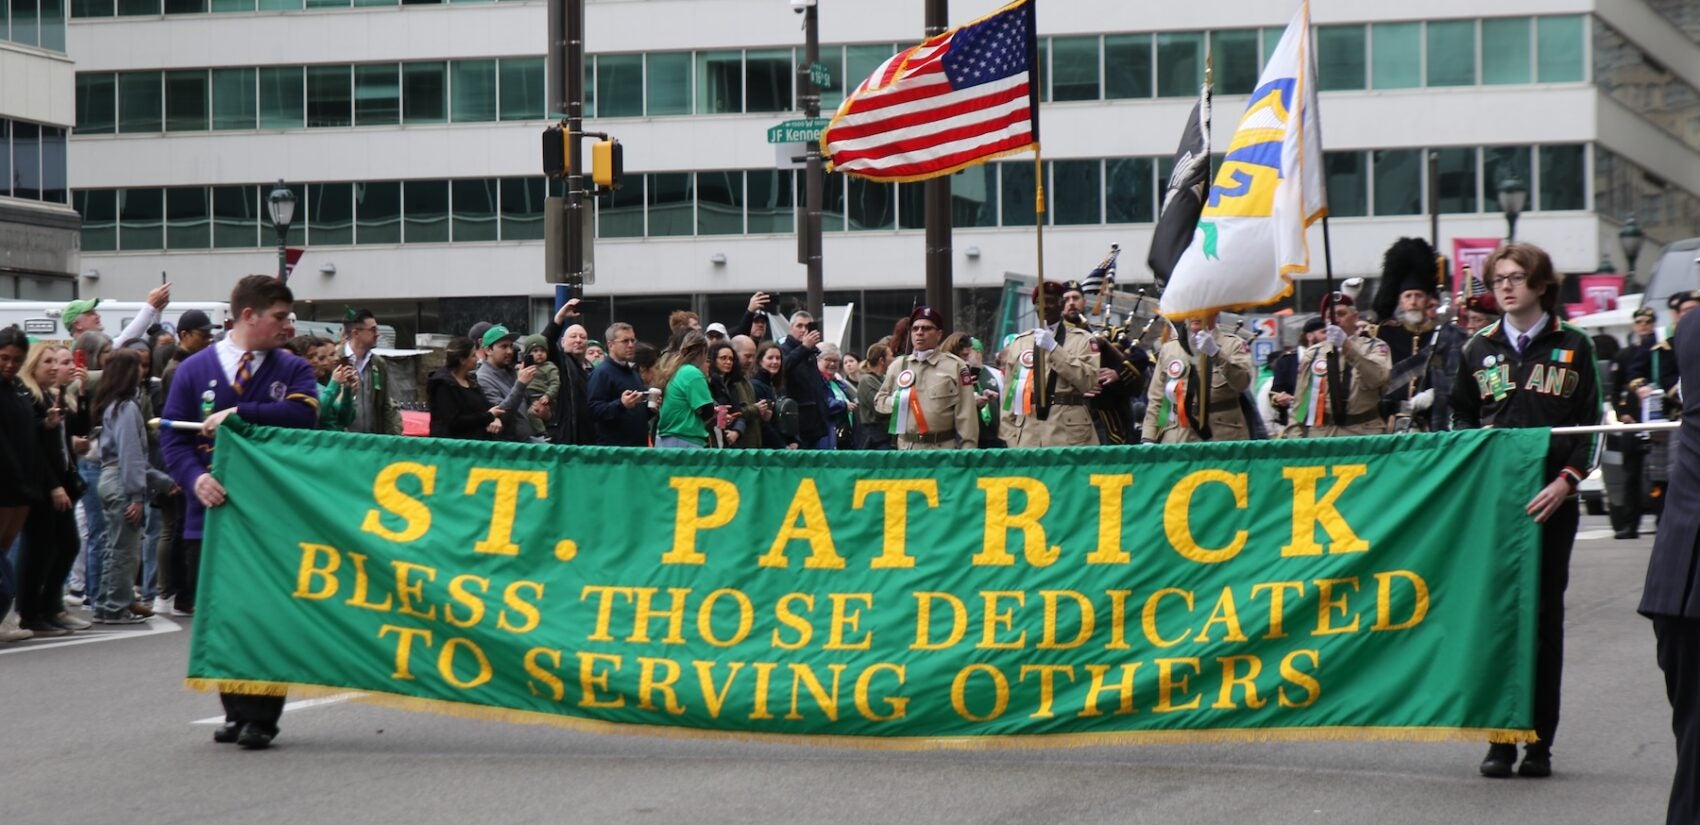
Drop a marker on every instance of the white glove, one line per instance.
(1336, 335)
(1422, 400)
(1204, 342)
(1044, 338)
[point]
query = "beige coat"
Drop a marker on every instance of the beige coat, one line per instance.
(945, 389)
(1367, 363)
(1230, 375)
(1075, 364)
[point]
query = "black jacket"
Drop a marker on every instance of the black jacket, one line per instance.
(20, 448)
(457, 411)
(1673, 572)
(569, 421)
(804, 384)
(1554, 383)
(617, 426)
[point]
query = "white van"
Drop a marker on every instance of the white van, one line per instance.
(40, 319)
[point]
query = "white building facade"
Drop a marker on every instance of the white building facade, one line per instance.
(410, 134)
(38, 230)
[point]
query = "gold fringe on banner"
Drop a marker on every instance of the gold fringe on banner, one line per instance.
(1500, 736)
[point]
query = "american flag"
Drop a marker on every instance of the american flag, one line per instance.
(1102, 278)
(960, 98)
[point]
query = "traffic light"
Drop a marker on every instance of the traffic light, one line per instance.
(555, 158)
(607, 164)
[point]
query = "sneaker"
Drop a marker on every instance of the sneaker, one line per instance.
(70, 622)
(44, 629)
(127, 618)
(161, 605)
(10, 632)
(182, 610)
(141, 609)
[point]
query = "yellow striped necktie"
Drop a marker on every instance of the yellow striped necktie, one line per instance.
(242, 373)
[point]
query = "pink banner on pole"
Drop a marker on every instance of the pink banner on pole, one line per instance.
(1472, 253)
(1599, 291)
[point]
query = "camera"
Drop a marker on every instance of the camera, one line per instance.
(813, 326)
(800, 6)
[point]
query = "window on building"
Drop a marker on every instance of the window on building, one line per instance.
(720, 82)
(425, 92)
(186, 101)
(91, 8)
(772, 200)
(425, 211)
(522, 88)
(1130, 195)
(279, 5)
(54, 181)
(1558, 49)
(668, 89)
(912, 205)
(136, 8)
(1563, 176)
(720, 203)
(282, 98)
(185, 6)
(768, 74)
(831, 202)
(234, 104)
(1237, 65)
(832, 94)
(472, 91)
(1180, 63)
(330, 96)
(53, 25)
(861, 61)
(1507, 56)
(619, 212)
(974, 196)
(475, 209)
(1398, 181)
(99, 210)
(1396, 51)
(1127, 66)
(522, 209)
(188, 220)
(328, 4)
(1340, 58)
(619, 85)
(1452, 53)
(5, 157)
(330, 214)
(1043, 75)
(377, 94)
(219, 6)
(1016, 193)
(26, 29)
(1079, 190)
(377, 212)
(670, 204)
(139, 99)
(1500, 163)
(97, 103)
(141, 219)
(1074, 68)
(26, 161)
(870, 204)
(1457, 183)
(235, 216)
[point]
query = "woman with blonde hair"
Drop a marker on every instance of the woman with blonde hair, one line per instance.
(50, 531)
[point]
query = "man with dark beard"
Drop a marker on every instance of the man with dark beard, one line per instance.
(1405, 303)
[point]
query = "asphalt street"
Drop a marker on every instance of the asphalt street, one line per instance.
(97, 727)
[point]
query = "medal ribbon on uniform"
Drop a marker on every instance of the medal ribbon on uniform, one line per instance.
(1314, 400)
(1019, 399)
(1174, 404)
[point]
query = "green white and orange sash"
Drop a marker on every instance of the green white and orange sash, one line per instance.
(1018, 399)
(906, 407)
(1314, 400)
(1173, 408)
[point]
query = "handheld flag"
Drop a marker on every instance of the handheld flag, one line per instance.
(1102, 278)
(960, 98)
(1177, 222)
(1269, 189)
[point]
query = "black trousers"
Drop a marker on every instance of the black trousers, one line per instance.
(1558, 537)
(185, 571)
(1679, 658)
(50, 549)
(259, 710)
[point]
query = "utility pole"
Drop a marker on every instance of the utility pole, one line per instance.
(566, 95)
(814, 182)
(936, 199)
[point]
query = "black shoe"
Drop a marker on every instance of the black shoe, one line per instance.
(1627, 533)
(1537, 763)
(254, 737)
(227, 733)
(1499, 760)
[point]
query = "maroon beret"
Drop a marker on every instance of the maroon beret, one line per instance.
(927, 313)
(1052, 290)
(1337, 299)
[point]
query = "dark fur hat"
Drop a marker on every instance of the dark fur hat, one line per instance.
(1410, 263)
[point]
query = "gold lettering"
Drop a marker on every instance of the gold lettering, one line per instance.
(705, 617)
(1248, 682)
(1118, 619)
(1226, 615)
(604, 608)
(1291, 672)
(852, 620)
(643, 614)
(1384, 600)
(557, 688)
(895, 553)
(1309, 511)
(404, 647)
(714, 699)
(764, 677)
(959, 692)
(590, 681)
(1326, 606)
(1148, 617)
(1167, 685)
(505, 505)
(1177, 516)
(458, 592)
(408, 592)
(1277, 604)
(510, 597)
(924, 621)
(1111, 491)
(1047, 686)
(782, 611)
(446, 664)
(994, 620)
(360, 586)
(999, 521)
(1083, 631)
(805, 519)
(804, 676)
(688, 519)
(309, 571)
(898, 704)
(1124, 687)
(648, 684)
(389, 496)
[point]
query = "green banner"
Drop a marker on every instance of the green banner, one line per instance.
(1350, 588)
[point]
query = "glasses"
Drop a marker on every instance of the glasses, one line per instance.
(1514, 279)
(923, 328)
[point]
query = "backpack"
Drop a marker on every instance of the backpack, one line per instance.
(785, 417)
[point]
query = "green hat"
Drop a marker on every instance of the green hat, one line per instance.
(531, 342)
(75, 308)
(497, 333)
(595, 343)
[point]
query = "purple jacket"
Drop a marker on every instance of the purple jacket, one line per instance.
(282, 393)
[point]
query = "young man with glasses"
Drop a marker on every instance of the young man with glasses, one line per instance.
(1530, 369)
(374, 409)
(618, 394)
(929, 393)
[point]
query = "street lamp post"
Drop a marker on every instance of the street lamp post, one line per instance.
(1513, 196)
(281, 204)
(1630, 238)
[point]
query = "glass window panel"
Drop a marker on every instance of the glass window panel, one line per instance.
(1127, 66)
(425, 209)
(668, 85)
(185, 6)
(186, 101)
(831, 202)
(360, 3)
(1130, 194)
(720, 203)
(619, 212)
(25, 29)
(1500, 163)
(589, 87)
(1396, 55)
(772, 200)
(720, 82)
(53, 24)
(870, 205)
(912, 205)
(619, 85)
(188, 221)
(377, 94)
(330, 214)
(97, 103)
(425, 92)
(475, 217)
(833, 93)
(1452, 53)
(1180, 63)
(330, 96)
(1558, 49)
(141, 218)
(1045, 69)
(26, 161)
(327, 4)
(974, 196)
(472, 91)
(5, 157)
(377, 212)
(1074, 68)
(279, 5)
(232, 5)
(1506, 53)
(236, 216)
(768, 75)
(1348, 184)
(126, 7)
(1398, 182)
(53, 177)
(1079, 189)
(1016, 179)
(1340, 58)
(1237, 65)
(234, 104)
(1562, 182)
(670, 203)
(99, 209)
(87, 8)
(522, 88)
(139, 102)
(1271, 39)
(282, 104)
(1457, 180)
(522, 209)
(861, 61)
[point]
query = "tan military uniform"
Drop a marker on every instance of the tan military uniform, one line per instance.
(944, 388)
(1366, 363)
(1075, 364)
(1174, 376)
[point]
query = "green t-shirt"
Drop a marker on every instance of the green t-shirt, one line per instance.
(686, 393)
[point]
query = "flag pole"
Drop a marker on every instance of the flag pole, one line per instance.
(1201, 421)
(1041, 382)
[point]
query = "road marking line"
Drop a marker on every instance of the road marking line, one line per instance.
(1591, 535)
(333, 699)
(155, 626)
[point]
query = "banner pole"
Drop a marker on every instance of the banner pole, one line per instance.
(1638, 427)
(1041, 385)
